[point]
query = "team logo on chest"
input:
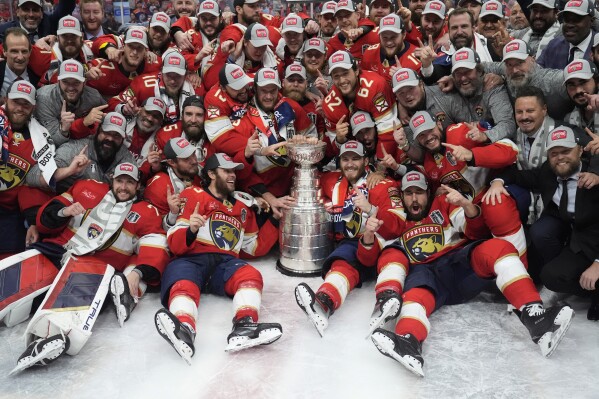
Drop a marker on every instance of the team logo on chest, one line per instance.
(353, 226)
(225, 231)
(421, 242)
(94, 231)
(13, 173)
(455, 180)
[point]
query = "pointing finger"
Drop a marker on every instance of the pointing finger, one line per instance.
(64, 106)
(453, 147)
(197, 208)
(83, 150)
(101, 107)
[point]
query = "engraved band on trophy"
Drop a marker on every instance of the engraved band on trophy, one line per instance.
(304, 230)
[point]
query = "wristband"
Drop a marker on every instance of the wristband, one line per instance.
(404, 147)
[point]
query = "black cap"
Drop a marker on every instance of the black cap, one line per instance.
(193, 101)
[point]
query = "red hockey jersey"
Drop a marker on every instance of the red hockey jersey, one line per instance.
(375, 61)
(221, 110)
(230, 227)
(141, 233)
(357, 48)
(469, 178)
(115, 78)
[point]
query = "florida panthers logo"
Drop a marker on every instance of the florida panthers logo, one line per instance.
(352, 228)
(94, 231)
(13, 173)
(225, 231)
(455, 180)
(423, 241)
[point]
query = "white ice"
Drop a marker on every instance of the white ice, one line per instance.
(476, 350)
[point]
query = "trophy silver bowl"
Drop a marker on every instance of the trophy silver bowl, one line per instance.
(304, 230)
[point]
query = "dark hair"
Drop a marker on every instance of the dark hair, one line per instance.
(458, 12)
(15, 31)
(532, 91)
(205, 178)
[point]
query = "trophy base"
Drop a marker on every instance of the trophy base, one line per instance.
(314, 271)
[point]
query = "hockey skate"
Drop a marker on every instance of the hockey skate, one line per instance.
(179, 335)
(122, 298)
(547, 326)
(387, 307)
(403, 348)
(42, 352)
(247, 334)
(318, 307)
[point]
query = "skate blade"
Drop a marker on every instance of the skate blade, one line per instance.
(116, 290)
(166, 328)
(265, 337)
(378, 322)
(304, 300)
(387, 347)
(51, 349)
(549, 341)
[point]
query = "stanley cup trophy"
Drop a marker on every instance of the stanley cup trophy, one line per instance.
(304, 230)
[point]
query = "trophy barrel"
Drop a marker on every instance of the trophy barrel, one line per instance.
(304, 229)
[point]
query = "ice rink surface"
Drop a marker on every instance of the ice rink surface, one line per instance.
(476, 350)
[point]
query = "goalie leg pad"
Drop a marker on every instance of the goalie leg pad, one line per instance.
(73, 303)
(23, 277)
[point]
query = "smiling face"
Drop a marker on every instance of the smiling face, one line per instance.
(576, 27)
(467, 81)
(564, 162)
(124, 188)
(70, 45)
(461, 32)
(19, 112)
(222, 182)
(148, 121)
(530, 114)
(378, 9)
(541, 18)
(313, 60)
(391, 43)
(92, 15)
(578, 88)
(346, 80)
(71, 89)
(209, 24)
(133, 55)
(30, 15)
(266, 97)
(430, 140)
(352, 166)
(17, 52)
(411, 97)
(490, 25)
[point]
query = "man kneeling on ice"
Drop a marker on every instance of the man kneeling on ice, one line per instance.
(97, 229)
(215, 224)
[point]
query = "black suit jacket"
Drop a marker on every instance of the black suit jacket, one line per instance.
(585, 228)
(33, 78)
(49, 23)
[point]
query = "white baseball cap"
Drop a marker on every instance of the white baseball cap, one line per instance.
(492, 7)
(114, 122)
(267, 76)
(69, 24)
(22, 89)
(580, 69)
(328, 8)
(155, 104)
(515, 49)
(346, 5)
(435, 7)
(223, 161)
(209, 7)
(295, 69)
(422, 122)
(71, 69)
(414, 179)
(391, 23)
(292, 23)
(174, 62)
(232, 75)
(352, 146)
(137, 36)
(257, 34)
(561, 136)
(404, 77)
(464, 58)
(340, 59)
(162, 20)
(126, 169)
(360, 120)
(315, 43)
(178, 147)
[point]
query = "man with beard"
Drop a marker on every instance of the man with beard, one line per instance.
(183, 8)
(37, 24)
(295, 87)
(190, 127)
(69, 108)
(270, 121)
(180, 169)
(169, 85)
(544, 26)
(413, 95)
(93, 157)
(215, 227)
(355, 34)
(202, 40)
(327, 21)
(16, 65)
(416, 8)
(378, 9)
(159, 41)
(576, 42)
(350, 203)
(23, 137)
(140, 133)
(116, 76)
(92, 16)
(461, 25)
(447, 268)
(354, 89)
(521, 71)
(96, 228)
(566, 234)
(289, 48)
(580, 78)
(226, 102)
(252, 53)
(492, 106)
(314, 60)
(432, 26)
(492, 25)
(393, 52)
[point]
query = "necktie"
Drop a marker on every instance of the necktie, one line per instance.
(572, 54)
(530, 141)
(563, 202)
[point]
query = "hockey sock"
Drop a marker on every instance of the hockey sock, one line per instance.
(246, 286)
(418, 305)
(392, 269)
(502, 219)
(339, 281)
(183, 302)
